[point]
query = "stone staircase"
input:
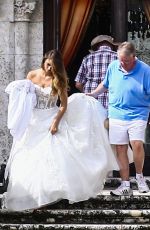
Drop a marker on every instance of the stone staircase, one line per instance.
(103, 212)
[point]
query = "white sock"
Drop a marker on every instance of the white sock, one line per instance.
(126, 183)
(139, 175)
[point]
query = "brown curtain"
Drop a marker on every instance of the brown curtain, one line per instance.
(146, 5)
(75, 16)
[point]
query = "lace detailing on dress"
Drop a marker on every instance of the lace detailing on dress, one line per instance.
(44, 99)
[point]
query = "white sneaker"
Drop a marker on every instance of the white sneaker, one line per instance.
(142, 185)
(122, 191)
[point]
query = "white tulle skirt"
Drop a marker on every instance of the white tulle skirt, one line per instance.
(72, 164)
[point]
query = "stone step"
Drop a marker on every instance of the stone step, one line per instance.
(73, 227)
(111, 182)
(104, 201)
(77, 216)
(137, 201)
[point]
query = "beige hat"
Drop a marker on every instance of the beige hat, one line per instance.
(103, 38)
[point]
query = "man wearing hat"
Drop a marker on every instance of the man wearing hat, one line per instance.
(128, 81)
(93, 68)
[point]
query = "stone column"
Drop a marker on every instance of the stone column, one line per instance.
(23, 10)
(119, 20)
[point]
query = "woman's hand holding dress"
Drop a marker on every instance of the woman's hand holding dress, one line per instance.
(54, 126)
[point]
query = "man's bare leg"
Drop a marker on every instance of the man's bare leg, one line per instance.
(139, 155)
(124, 189)
(123, 161)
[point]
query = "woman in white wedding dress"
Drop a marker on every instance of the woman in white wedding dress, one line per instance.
(58, 152)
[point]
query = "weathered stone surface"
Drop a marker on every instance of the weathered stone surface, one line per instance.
(6, 38)
(23, 9)
(21, 38)
(6, 69)
(96, 213)
(36, 38)
(144, 56)
(76, 216)
(142, 47)
(21, 66)
(37, 16)
(107, 202)
(59, 227)
(6, 72)
(73, 226)
(21, 49)
(35, 61)
(6, 10)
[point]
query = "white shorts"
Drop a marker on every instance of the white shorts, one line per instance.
(121, 132)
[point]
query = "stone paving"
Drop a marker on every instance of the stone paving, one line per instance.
(103, 212)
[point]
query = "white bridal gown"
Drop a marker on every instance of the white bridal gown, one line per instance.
(72, 164)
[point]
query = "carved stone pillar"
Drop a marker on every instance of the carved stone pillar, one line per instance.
(22, 12)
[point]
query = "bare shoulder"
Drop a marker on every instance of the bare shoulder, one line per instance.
(33, 73)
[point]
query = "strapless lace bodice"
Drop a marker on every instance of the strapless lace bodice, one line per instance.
(44, 99)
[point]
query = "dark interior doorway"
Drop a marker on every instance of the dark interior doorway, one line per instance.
(100, 23)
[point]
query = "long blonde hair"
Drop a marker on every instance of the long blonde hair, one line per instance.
(59, 75)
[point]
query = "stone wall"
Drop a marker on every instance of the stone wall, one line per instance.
(142, 47)
(21, 49)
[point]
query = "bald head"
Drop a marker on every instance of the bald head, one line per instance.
(126, 49)
(126, 55)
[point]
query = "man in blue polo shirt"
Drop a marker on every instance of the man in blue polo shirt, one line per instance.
(128, 81)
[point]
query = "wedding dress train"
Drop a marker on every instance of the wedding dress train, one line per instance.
(72, 164)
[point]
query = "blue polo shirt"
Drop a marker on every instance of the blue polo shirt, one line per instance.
(129, 92)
